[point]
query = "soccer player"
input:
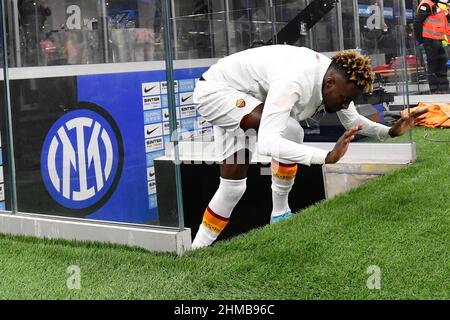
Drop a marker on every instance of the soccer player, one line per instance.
(268, 90)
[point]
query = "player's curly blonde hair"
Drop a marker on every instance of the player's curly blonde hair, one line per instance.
(356, 67)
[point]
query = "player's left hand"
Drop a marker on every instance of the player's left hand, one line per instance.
(407, 121)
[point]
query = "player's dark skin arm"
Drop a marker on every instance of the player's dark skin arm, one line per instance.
(407, 121)
(231, 169)
(337, 95)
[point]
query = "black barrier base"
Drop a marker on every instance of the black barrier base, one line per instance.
(200, 182)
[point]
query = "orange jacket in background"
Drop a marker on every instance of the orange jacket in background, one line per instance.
(436, 25)
(438, 115)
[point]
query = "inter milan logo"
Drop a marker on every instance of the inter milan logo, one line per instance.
(80, 158)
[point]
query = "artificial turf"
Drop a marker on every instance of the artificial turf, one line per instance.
(399, 223)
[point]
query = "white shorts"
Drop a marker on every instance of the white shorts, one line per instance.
(224, 107)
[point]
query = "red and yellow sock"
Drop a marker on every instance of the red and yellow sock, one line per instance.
(283, 177)
(219, 210)
(213, 221)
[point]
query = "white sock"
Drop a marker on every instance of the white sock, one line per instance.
(219, 210)
(283, 177)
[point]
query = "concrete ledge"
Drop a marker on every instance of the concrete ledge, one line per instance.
(147, 237)
(364, 162)
(342, 177)
(363, 168)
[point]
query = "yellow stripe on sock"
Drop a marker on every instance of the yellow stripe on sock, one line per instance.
(213, 221)
(284, 171)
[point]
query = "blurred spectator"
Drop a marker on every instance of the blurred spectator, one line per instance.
(431, 30)
(32, 17)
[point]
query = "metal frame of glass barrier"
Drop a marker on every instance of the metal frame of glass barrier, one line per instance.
(7, 119)
(172, 109)
(173, 238)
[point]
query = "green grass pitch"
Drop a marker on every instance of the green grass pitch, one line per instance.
(399, 223)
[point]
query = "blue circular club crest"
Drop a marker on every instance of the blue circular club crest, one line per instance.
(80, 159)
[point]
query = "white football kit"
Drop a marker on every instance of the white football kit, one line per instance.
(288, 80)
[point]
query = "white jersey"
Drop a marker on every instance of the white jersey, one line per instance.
(289, 81)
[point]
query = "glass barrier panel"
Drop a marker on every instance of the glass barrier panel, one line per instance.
(54, 32)
(7, 186)
(86, 136)
(91, 119)
(206, 31)
(135, 30)
(324, 26)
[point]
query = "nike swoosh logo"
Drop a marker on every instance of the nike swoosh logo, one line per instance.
(148, 90)
(185, 99)
(149, 132)
(202, 122)
(152, 174)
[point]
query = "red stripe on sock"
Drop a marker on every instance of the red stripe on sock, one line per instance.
(215, 215)
(286, 165)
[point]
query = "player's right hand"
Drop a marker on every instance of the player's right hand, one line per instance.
(341, 146)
